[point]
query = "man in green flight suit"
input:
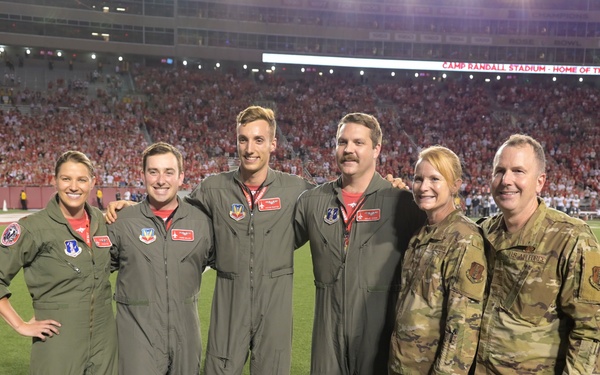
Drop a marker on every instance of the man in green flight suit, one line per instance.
(359, 227)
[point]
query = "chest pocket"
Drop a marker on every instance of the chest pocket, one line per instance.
(534, 285)
(423, 268)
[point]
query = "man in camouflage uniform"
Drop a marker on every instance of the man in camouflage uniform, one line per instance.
(543, 311)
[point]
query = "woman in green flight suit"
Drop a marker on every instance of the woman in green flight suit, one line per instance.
(64, 252)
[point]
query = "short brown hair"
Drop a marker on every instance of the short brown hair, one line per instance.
(366, 120)
(160, 148)
(520, 140)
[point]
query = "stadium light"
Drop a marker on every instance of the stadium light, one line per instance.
(185, 63)
(498, 78)
(302, 70)
(470, 76)
(218, 65)
(28, 51)
(416, 75)
(273, 68)
(553, 79)
(444, 76)
(199, 66)
(330, 71)
(120, 58)
(393, 74)
(580, 79)
(245, 66)
(59, 54)
(362, 72)
(93, 56)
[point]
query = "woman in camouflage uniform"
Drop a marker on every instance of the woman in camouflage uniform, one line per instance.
(443, 277)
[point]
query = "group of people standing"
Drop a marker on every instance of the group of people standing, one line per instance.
(405, 283)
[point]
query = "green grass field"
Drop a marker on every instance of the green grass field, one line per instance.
(15, 349)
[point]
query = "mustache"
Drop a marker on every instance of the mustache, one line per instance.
(349, 158)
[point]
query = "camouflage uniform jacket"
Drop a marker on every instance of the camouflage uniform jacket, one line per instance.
(543, 311)
(441, 299)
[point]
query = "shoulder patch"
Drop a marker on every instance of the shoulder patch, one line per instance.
(590, 279)
(472, 274)
(11, 234)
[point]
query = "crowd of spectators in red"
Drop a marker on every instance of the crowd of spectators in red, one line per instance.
(195, 110)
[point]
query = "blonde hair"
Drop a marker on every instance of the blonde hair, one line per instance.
(254, 113)
(445, 161)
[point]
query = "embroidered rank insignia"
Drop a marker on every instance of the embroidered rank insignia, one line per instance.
(182, 235)
(368, 215)
(11, 234)
(475, 273)
(102, 241)
(237, 212)
(269, 204)
(72, 249)
(332, 215)
(595, 278)
(147, 235)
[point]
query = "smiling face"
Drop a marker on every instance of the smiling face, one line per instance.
(517, 180)
(162, 178)
(432, 193)
(255, 144)
(73, 183)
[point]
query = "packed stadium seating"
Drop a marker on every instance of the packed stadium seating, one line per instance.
(196, 109)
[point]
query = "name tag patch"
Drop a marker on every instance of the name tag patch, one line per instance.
(368, 215)
(269, 204)
(182, 235)
(102, 241)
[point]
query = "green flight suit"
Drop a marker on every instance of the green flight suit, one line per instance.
(254, 249)
(357, 287)
(157, 288)
(542, 315)
(69, 282)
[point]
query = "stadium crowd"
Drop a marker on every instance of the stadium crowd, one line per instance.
(195, 110)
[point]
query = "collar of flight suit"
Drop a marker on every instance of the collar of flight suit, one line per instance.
(55, 213)
(377, 183)
(237, 177)
(180, 211)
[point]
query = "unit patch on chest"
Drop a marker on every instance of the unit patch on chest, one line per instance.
(72, 249)
(147, 235)
(332, 215)
(238, 211)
